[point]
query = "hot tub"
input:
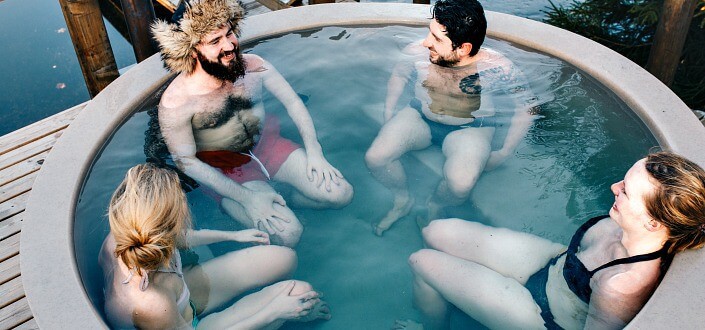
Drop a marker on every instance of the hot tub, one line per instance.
(50, 272)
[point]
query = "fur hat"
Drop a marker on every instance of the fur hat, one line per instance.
(193, 20)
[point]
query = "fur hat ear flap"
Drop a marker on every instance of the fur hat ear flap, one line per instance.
(174, 46)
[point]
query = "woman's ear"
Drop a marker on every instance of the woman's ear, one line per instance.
(653, 225)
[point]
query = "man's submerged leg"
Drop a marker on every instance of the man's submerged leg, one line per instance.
(466, 153)
(404, 132)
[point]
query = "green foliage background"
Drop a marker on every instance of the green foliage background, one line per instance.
(628, 27)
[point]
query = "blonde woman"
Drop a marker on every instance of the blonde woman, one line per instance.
(509, 280)
(146, 286)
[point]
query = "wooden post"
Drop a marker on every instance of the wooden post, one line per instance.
(90, 40)
(112, 12)
(139, 14)
(670, 37)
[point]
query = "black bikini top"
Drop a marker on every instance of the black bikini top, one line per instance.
(578, 277)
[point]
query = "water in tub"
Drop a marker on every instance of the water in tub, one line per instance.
(559, 175)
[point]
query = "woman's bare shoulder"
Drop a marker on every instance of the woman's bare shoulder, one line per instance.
(603, 229)
(155, 309)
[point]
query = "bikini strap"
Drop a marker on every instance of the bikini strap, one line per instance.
(144, 282)
(578, 236)
(631, 260)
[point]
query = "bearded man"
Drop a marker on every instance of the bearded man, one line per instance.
(216, 129)
(454, 81)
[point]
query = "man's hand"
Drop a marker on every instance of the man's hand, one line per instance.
(319, 169)
(260, 208)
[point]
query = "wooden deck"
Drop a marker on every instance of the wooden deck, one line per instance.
(22, 154)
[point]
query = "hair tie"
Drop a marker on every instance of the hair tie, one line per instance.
(701, 227)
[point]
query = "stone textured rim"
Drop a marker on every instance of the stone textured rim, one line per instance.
(49, 272)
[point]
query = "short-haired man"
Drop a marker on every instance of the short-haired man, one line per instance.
(454, 81)
(215, 127)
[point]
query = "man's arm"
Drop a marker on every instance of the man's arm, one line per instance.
(178, 134)
(401, 74)
(395, 87)
(525, 109)
(280, 88)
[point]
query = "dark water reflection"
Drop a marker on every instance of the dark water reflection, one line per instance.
(39, 72)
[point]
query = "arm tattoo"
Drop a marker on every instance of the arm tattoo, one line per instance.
(471, 84)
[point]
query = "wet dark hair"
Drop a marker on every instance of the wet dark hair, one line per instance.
(464, 21)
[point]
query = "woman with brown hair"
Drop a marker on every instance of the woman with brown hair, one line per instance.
(147, 287)
(507, 279)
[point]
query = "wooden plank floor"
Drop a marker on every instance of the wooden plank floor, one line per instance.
(22, 154)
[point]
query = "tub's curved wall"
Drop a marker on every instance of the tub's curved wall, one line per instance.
(49, 273)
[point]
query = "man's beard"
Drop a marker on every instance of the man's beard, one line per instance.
(448, 61)
(217, 69)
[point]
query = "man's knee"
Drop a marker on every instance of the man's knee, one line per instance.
(290, 236)
(340, 195)
(460, 186)
(375, 158)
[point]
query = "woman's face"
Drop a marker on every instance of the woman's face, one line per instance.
(629, 210)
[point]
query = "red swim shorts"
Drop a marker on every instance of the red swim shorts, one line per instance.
(272, 150)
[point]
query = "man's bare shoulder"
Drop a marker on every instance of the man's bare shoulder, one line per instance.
(254, 63)
(494, 59)
(175, 95)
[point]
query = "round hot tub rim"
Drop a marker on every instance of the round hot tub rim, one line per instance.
(50, 277)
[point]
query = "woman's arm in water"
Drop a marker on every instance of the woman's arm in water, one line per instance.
(208, 236)
(616, 301)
